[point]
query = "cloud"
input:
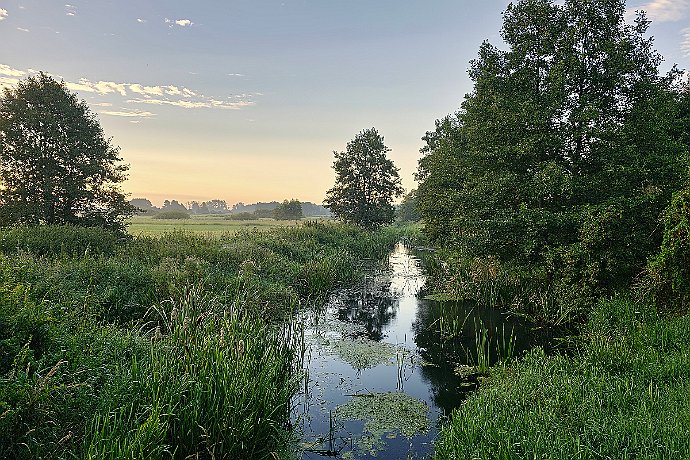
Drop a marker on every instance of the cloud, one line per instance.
(179, 22)
(129, 113)
(685, 42)
(82, 86)
(663, 10)
(170, 95)
(209, 103)
(10, 72)
(22, 30)
(70, 10)
(236, 75)
(147, 90)
(3, 14)
(141, 21)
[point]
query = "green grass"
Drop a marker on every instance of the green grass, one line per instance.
(167, 346)
(622, 394)
(213, 225)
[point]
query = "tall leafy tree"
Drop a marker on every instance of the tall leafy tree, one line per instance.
(366, 182)
(566, 150)
(56, 166)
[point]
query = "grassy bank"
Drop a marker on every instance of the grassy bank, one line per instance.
(159, 347)
(622, 394)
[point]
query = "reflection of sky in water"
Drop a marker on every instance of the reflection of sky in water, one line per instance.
(385, 308)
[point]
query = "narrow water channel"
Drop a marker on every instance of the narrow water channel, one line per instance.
(384, 366)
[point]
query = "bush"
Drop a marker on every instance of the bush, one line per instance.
(174, 214)
(241, 216)
(668, 275)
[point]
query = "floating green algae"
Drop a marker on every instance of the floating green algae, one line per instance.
(385, 414)
(364, 353)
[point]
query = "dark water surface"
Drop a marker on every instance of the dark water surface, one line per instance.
(383, 366)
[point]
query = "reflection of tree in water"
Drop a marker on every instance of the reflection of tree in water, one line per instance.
(371, 305)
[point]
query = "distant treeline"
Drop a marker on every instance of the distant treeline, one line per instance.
(256, 210)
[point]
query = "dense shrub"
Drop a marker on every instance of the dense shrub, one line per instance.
(172, 214)
(668, 279)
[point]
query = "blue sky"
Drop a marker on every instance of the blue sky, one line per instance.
(246, 100)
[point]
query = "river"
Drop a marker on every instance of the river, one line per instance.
(384, 367)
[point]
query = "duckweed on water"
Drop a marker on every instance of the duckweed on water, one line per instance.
(364, 353)
(385, 414)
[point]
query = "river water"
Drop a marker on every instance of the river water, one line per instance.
(384, 367)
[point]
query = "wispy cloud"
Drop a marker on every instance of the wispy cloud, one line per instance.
(663, 10)
(22, 29)
(236, 75)
(137, 93)
(179, 22)
(208, 104)
(3, 13)
(141, 21)
(685, 42)
(129, 113)
(70, 10)
(11, 72)
(148, 90)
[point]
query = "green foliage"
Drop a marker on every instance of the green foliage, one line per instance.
(288, 210)
(217, 383)
(623, 394)
(668, 274)
(408, 210)
(162, 347)
(172, 214)
(241, 216)
(552, 160)
(56, 166)
(54, 240)
(366, 182)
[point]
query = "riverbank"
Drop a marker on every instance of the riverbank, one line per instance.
(160, 347)
(622, 394)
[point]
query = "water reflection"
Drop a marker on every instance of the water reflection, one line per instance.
(370, 305)
(429, 340)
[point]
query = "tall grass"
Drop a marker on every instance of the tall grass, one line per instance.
(622, 395)
(217, 384)
(159, 347)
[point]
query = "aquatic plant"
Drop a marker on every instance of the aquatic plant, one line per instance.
(390, 413)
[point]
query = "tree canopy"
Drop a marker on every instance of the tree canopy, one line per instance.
(56, 166)
(366, 182)
(288, 210)
(565, 152)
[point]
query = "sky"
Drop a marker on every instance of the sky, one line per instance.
(246, 100)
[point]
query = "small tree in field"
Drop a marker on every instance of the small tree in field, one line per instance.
(56, 166)
(366, 182)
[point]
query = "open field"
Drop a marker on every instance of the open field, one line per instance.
(214, 225)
